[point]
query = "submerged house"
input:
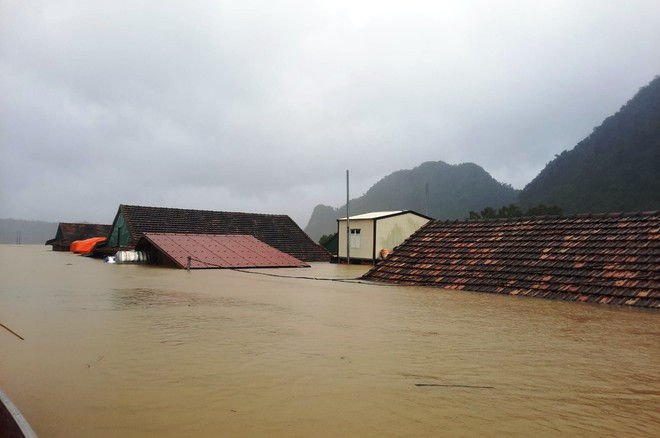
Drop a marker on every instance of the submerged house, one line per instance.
(606, 258)
(370, 233)
(68, 232)
(278, 231)
(212, 251)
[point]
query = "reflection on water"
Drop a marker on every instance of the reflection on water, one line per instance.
(144, 297)
(115, 350)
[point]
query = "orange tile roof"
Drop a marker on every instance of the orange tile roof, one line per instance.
(607, 258)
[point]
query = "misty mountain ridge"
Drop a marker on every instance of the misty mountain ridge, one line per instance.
(616, 168)
(453, 190)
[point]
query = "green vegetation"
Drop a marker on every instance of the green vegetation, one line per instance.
(330, 242)
(512, 210)
(616, 168)
(323, 241)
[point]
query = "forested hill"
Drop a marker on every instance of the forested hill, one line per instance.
(454, 190)
(616, 168)
(30, 232)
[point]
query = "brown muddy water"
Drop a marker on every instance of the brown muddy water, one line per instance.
(117, 350)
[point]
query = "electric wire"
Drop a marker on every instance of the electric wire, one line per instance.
(356, 280)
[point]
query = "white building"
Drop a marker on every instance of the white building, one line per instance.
(372, 232)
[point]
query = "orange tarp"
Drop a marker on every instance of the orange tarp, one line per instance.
(86, 245)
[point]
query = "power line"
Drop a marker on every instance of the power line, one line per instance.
(357, 280)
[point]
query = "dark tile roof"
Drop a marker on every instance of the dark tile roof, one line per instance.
(68, 232)
(609, 258)
(278, 231)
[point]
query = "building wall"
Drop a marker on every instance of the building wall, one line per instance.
(392, 231)
(61, 246)
(119, 235)
(366, 227)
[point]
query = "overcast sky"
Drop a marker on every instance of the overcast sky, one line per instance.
(261, 106)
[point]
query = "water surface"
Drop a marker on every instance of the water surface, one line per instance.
(117, 350)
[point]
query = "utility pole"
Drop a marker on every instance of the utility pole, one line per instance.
(348, 226)
(426, 190)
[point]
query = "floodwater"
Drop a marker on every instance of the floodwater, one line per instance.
(118, 350)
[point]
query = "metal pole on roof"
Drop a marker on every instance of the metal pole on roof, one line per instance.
(426, 190)
(348, 226)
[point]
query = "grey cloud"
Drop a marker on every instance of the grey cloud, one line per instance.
(259, 106)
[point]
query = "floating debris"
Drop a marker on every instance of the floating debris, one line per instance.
(12, 332)
(454, 385)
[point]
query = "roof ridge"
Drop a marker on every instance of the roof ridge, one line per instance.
(384, 214)
(277, 230)
(203, 210)
(82, 223)
(548, 217)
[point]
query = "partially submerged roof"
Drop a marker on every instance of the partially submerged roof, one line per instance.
(381, 215)
(610, 258)
(67, 232)
(216, 251)
(278, 231)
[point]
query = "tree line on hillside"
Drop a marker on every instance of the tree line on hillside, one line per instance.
(326, 238)
(434, 188)
(513, 210)
(614, 169)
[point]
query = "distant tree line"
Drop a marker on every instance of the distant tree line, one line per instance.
(326, 238)
(513, 210)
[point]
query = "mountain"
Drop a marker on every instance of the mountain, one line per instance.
(454, 190)
(34, 232)
(616, 168)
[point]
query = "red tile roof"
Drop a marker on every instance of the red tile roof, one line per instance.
(215, 251)
(609, 258)
(278, 231)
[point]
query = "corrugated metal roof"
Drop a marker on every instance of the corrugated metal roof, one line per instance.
(219, 251)
(383, 214)
(372, 215)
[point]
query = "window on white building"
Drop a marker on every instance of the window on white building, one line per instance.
(355, 237)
